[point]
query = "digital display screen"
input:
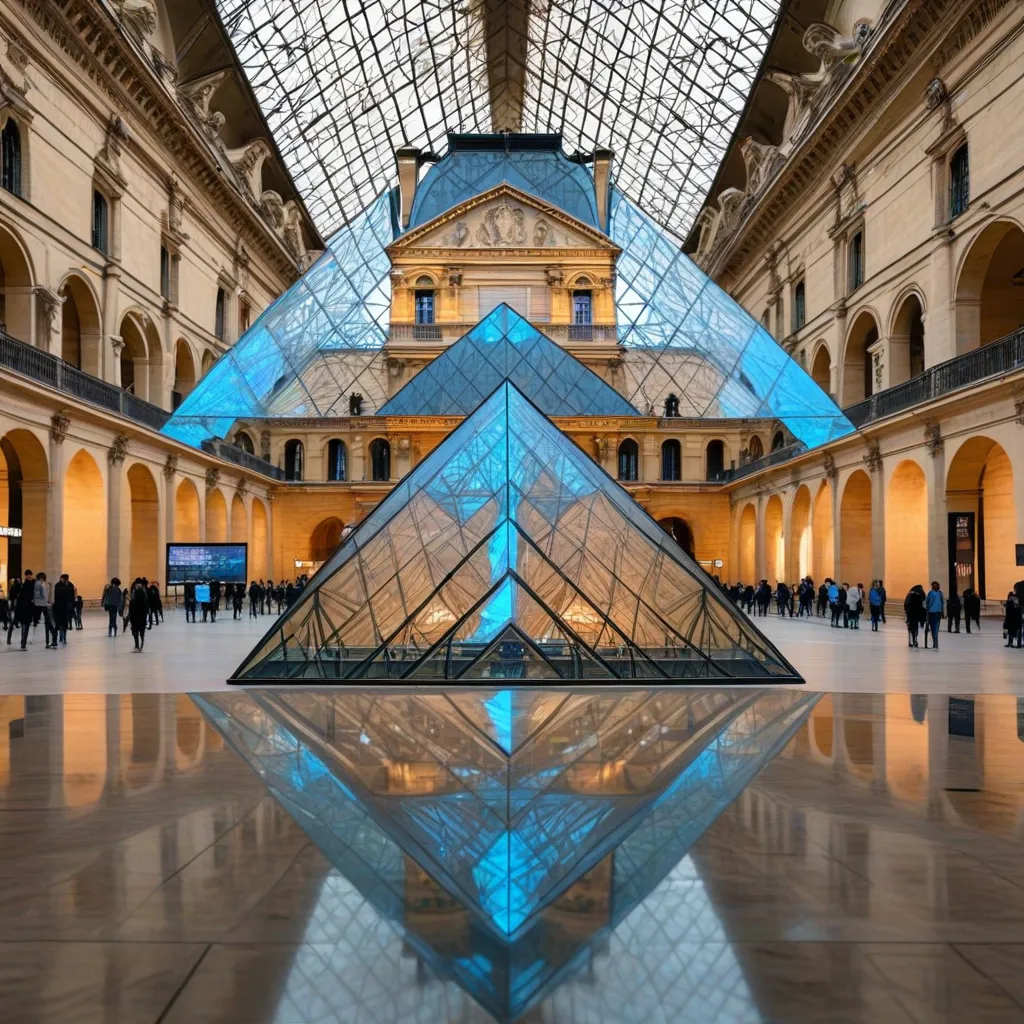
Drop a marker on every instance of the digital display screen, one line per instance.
(190, 563)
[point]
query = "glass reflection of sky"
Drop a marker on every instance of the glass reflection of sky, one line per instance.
(635, 911)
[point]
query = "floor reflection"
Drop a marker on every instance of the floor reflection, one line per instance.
(871, 872)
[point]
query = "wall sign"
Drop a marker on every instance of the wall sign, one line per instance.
(961, 552)
(15, 531)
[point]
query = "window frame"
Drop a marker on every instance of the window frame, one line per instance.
(220, 314)
(12, 177)
(424, 304)
(671, 444)
(100, 234)
(296, 458)
(336, 446)
(959, 192)
(855, 268)
(799, 305)
(632, 474)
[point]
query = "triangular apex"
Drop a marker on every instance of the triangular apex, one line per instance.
(507, 524)
(505, 346)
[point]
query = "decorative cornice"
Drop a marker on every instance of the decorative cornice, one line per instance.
(933, 439)
(828, 465)
(212, 478)
(873, 458)
(118, 450)
(170, 466)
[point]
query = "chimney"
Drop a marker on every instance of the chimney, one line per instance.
(408, 159)
(603, 185)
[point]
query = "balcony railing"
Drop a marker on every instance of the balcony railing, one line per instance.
(562, 333)
(991, 360)
(51, 370)
(240, 457)
(771, 459)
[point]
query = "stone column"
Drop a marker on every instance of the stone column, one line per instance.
(271, 568)
(837, 526)
(760, 546)
(942, 336)
(115, 483)
(876, 469)
(938, 527)
(167, 522)
(110, 367)
(1017, 462)
(55, 499)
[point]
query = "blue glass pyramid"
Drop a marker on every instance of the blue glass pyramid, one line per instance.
(508, 554)
(504, 346)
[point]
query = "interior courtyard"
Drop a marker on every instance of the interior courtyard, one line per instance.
(511, 513)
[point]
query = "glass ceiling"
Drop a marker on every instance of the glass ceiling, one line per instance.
(508, 554)
(344, 84)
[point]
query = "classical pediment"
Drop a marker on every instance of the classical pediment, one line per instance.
(503, 218)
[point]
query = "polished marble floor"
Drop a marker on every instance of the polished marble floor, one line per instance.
(182, 657)
(871, 873)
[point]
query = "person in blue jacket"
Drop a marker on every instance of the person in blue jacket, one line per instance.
(935, 605)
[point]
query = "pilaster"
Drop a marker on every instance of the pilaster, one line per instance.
(115, 487)
(55, 498)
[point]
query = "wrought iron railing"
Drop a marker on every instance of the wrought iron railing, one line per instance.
(240, 457)
(49, 369)
(452, 332)
(784, 454)
(991, 360)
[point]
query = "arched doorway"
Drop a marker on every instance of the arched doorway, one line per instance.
(858, 378)
(671, 460)
(134, 359)
(755, 448)
(380, 459)
(906, 530)
(748, 545)
(325, 539)
(855, 543)
(799, 548)
(85, 525)
(989, 296)
(294, 452)
(184, 373)
(16, 289)
(629, 460)
(258, 551)
(906, 342)
(144, 552)
(714, 456)
(979, 492)
(821, 369)
(822, 533)
(80, 328)
(216, 517)
(24, 480)
(186, 514)
(679, 530)
(775, 553)
(239, 527)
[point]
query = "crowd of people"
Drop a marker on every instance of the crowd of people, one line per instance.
(267, 598)
(843, 605)
(32, 600)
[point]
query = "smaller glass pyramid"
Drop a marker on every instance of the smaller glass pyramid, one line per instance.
(504, 346)
(508, 554)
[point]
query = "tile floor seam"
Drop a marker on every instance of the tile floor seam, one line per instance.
(184, 983)
(955, 946)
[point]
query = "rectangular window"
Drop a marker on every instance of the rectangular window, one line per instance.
(582, 308)
(243, 317)
(856, 260)
(424, 307)
(218, 316)
(799, 307)
(100, 222)
(959, 182)
(165, 272)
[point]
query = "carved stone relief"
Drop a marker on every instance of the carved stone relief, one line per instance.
(59, 426)
(457, 237)
(247, 162)
(761, 161)
(503, 225)
(196, 96)
(118, 450)
(138, 16)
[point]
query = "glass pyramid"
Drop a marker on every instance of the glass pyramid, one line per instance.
(504, 346)
(508, 554)
(377, 777)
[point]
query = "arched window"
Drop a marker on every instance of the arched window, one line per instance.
(10, 157)
(855, 259)
(244, 441)
(778, 441)
(100, 222)
(756, 448)
(337, 460)
(766, 319)
(629, 458)
(671, 460)
(380, 459)
(715, 458)
(959, 182)
(799, 306)
(218, 314)
(293, 453)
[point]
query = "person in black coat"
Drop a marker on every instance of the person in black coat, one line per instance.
(972, 609)
(63, 606)
(24, 608)
(138, 613)
(237, 593)
(915, 613)
(190, 601)
(155, 605)
(953, 608)
(77, 606)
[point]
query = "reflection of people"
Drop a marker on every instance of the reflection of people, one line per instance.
(1012, 620)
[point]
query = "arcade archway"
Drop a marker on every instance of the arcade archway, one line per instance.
(24, 481)
(906, 530)
(823, 533)
(239, 526)
(216, 517)
(821, 369)
(989, 299)
(325, 539)
(80, 328)
(855, 544)
(747, 566)
(774, 543)
(15, 288)
(144, 551)
(85, 525)
(858, 379)
(679, 530)
(258, 551)
(799, 549)
(186, 514)
(906, 343)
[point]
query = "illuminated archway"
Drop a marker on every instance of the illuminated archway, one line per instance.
(239, 527)
(823, 534)
(325, 539)
(144, 499)
(979, 485)
(799, 546)
(24, 480)
(855, 543)
(186, 514)
(258, 551)
(748, 545)
(775, 547)
(906, 530)
(216, 517)
(679, 530)
(85, 525)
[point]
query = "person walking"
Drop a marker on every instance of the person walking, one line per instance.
(935, 603)
(914, 612)
(875, 604)
(214, 599)
(139, 613)
(111, 602)
(24, 607)
(854, 605)
(125, 598)
(833, 602)
(43, 601)
(972, 609)
(5, 608)
(156, 606)
(78, 605)
(953, 608)
(190, 602)
(254, 599)
(884, 596)
(63, 606)
(1012, 620)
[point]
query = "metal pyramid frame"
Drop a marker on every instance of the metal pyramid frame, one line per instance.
(508, 554)
(505, 346)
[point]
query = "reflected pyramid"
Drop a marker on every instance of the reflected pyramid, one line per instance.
(505, 346)
(508, 554)
(409, 800)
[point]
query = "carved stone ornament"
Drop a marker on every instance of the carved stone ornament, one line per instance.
(59, 426)
(212, 478)
(873, 458)
(876, 359)
(830, 46)
(355, 404)
(799, 92)
(138, 16)
(730, 202)
(457, 237)
(242, 487)
(933, 439)
(175, 210)
(543, 234)
(247, 162)
(454, 276)
(48, 303)
(1018, 412)
(118, 450)
(272, 207)
(117, 135)
(762, 161)
(195, 97)
(170, 466)
(935, 94)
(503, 225)
(828, 464)
(117, 344)
(166, 70)
(14, 82)
(265, 445)
(554, 276)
